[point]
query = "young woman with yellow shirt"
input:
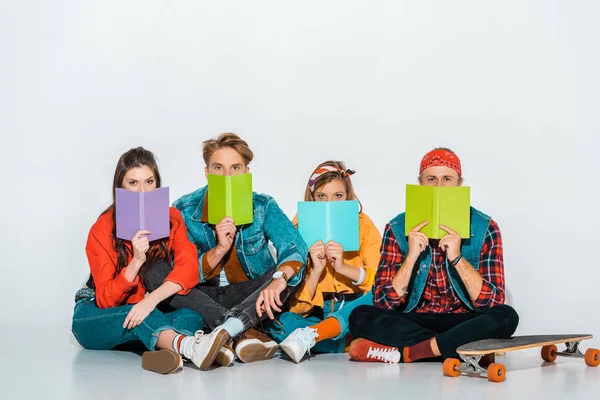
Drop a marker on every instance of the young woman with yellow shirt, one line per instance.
(337, 281)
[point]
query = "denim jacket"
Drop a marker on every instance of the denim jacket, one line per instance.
(470, 248)
(251, 240)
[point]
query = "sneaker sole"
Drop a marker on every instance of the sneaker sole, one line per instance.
(220, 341)
(351, 347)
(224, 359)
(255, 350)
(288, 350)
(162, 361)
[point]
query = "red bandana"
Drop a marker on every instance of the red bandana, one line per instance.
(444, 158)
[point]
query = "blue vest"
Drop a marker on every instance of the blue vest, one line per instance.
(470, 249)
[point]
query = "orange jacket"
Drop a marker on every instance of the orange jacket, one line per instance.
(114, 289)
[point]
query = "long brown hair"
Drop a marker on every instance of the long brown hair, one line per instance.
(159, 249)
(331, 176)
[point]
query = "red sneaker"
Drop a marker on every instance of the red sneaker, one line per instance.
(368, 351)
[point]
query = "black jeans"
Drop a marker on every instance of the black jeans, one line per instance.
(215, 303)
(399, 329)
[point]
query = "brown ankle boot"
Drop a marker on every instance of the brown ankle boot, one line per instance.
(225, 356)
(254, 345)
(161, 361)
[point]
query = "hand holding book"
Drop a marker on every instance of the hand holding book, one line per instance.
(317, 255)
(140, 244)
(417, 242)
(450, 243)
(331, 252)
(335, 255)
(225, 231)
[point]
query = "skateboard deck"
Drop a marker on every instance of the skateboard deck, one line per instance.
(471, 353)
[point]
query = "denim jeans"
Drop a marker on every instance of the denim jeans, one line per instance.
(102, 329)
(399, 329)
(216, 304)
(290, 322)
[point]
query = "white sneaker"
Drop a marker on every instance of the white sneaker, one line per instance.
(206, 347)
(299, 343)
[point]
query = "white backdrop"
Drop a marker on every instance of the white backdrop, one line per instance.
(511, 86)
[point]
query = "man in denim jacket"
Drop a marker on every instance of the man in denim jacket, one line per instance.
(240, 281)
(432, 296)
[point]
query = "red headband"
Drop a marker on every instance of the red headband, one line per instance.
(440, 157)
(325, 169)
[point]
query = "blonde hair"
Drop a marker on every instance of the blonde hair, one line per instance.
(331, 176)
(224, 140)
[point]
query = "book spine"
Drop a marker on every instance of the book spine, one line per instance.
(435, 228)
(228, 197)
(328, 222)
(141, 211)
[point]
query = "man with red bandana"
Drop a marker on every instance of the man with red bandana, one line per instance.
(432, 296)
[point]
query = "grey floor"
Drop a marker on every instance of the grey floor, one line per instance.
(48, 363)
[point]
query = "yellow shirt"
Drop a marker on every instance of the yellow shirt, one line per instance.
(366, 257)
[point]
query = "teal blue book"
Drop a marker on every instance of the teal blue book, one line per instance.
(330, 221)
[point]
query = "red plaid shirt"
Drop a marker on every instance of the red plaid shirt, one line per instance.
(439, 296)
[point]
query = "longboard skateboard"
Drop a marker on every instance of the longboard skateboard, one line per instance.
(471, 353)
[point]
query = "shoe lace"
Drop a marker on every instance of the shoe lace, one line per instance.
(199, 336)
(385, 354)
(307, 337)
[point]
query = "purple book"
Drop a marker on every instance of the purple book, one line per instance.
(136, 211)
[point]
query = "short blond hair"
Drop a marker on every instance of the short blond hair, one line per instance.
(224, 140)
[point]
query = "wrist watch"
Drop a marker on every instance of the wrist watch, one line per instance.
(280, 275)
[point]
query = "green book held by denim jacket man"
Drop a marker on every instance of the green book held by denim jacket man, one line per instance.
(230, 196)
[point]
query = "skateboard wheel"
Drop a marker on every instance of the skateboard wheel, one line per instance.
(496, 373)
(592, 357)
(549, 353)
(450, 367)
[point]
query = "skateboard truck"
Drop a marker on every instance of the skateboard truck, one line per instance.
(572, 350)
(453, 367)
(471, 365)
(591, 356)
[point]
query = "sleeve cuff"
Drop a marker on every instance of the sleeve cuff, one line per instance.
(303, 304)
(390, 292)
(485, 296)
(206, 271)
(295, 265)
(184, 289)
(361, 278)
(124, 284)
(205, 266)
(393, 299)
(369, 280)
